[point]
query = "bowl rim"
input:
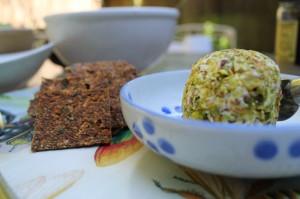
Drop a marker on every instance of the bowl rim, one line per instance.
(12, 57)
(120, 12)
(256, 128)
(5, 29)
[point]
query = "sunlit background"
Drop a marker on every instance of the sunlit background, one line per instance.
(253, 20)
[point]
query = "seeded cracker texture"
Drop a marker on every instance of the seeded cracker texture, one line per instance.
(84, 76)
(69, 119)
(233, 85)
(107, 74)
(94, 84)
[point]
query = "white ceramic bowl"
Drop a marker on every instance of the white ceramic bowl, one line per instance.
(139, 35)
(16, 68)
(151, 106)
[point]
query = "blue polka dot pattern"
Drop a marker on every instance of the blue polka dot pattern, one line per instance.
(148, 126)
(294, 150)
(166, 110)
(178, 109)
(146, 132)
(137, 130)
(152, 146)
(129, 97)
(265, 150)
(166, 146)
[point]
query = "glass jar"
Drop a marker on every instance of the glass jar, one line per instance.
(287, 28)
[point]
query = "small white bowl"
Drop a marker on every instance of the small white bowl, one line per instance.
(151, 107)
(16, 68)
(139, 35)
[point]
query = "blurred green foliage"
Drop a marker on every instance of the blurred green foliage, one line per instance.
(219, 41)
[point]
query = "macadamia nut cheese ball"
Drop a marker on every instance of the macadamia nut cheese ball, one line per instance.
(233, 85)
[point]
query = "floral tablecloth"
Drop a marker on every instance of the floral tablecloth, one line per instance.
(125, 169)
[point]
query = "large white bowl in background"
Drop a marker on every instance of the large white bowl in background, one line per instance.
(139, 35)
(151, 106)
(17, 68)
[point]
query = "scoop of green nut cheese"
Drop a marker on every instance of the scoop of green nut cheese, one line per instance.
(233, 85)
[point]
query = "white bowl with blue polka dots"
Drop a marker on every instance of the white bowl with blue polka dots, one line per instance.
(151, 106)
